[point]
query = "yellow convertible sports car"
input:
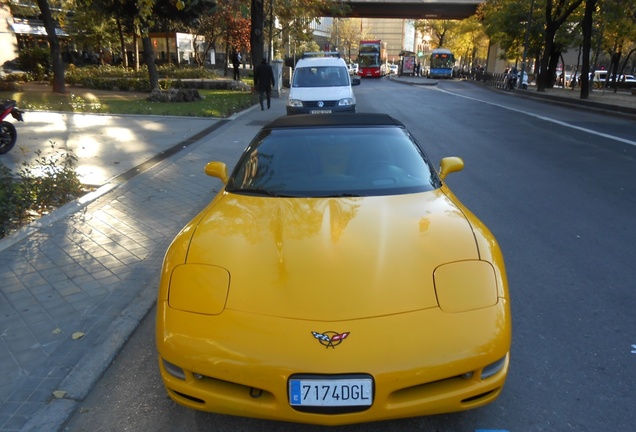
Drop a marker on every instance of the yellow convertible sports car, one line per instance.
(334, 279)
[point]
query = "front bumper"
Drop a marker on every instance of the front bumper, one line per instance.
(316, 110)
(239, 364)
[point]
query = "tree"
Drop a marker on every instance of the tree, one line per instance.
(229, 22)
(471, 42)
(54, 45)
(599, 27)
(92, 26)
(442, 31)
(556, 13)
(506, 22)
(171, 15)
(345, 33)
(295, 16)
(619, 30)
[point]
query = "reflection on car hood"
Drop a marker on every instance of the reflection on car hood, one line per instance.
(332, 258)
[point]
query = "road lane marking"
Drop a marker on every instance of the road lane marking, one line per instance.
(548, 119)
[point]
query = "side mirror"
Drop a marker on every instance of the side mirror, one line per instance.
(355, 81)
(449, 165)
(218, 170)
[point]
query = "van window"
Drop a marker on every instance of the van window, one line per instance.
(321, 76)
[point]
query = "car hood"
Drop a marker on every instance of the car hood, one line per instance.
(332, 258)
(321, 93)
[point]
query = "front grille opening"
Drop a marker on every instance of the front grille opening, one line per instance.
(331, 410)
(190, 398)
(479, 396)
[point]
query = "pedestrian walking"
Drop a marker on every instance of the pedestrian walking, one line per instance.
(263, 81)
(236, 62)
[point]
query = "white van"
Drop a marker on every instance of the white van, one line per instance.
(321, 84)
(600, 76)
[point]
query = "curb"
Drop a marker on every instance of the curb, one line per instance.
(414, 81)
(580, 104)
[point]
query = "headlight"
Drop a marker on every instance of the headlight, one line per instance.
(346, 102)
(465, 285)
(493, 368)
(199, 288)
(173, 370)
(295, 103)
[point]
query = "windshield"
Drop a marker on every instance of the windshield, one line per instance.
(369, 60)
(443, 61)
(326, 162)
(323, 76)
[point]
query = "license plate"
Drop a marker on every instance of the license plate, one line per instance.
(331, 392)
(320, 112)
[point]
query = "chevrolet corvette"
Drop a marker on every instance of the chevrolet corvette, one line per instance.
(334, 279)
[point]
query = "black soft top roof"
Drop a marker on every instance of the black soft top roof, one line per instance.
(333, 120)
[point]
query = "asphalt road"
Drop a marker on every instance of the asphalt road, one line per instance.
(557, 187)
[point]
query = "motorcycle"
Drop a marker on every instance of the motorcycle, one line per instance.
(8, 133)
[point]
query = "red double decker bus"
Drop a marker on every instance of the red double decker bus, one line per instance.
(371, 59)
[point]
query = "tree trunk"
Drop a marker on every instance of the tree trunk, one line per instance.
(136, 52)
(168, 60)
(228, 51)
(544, 74)
(54, 45)
(555, 57)
(629, 54)
(616, 58)
(124, 54)
(590, 6)
(256, 35)
(149, 56)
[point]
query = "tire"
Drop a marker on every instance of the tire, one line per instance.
(8, 137)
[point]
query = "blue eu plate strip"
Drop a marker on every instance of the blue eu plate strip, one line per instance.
(295, 392)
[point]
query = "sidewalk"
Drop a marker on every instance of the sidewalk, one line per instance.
(106, 145)
(620, 103)
(76, 285)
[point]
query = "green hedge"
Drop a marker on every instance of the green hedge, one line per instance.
(37, 188)
(120, 78)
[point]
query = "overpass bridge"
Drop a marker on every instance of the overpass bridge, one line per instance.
(412, 9)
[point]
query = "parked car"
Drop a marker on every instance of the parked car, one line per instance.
(628, 79)
(393, 69)
(334, 279)
(599, 76)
